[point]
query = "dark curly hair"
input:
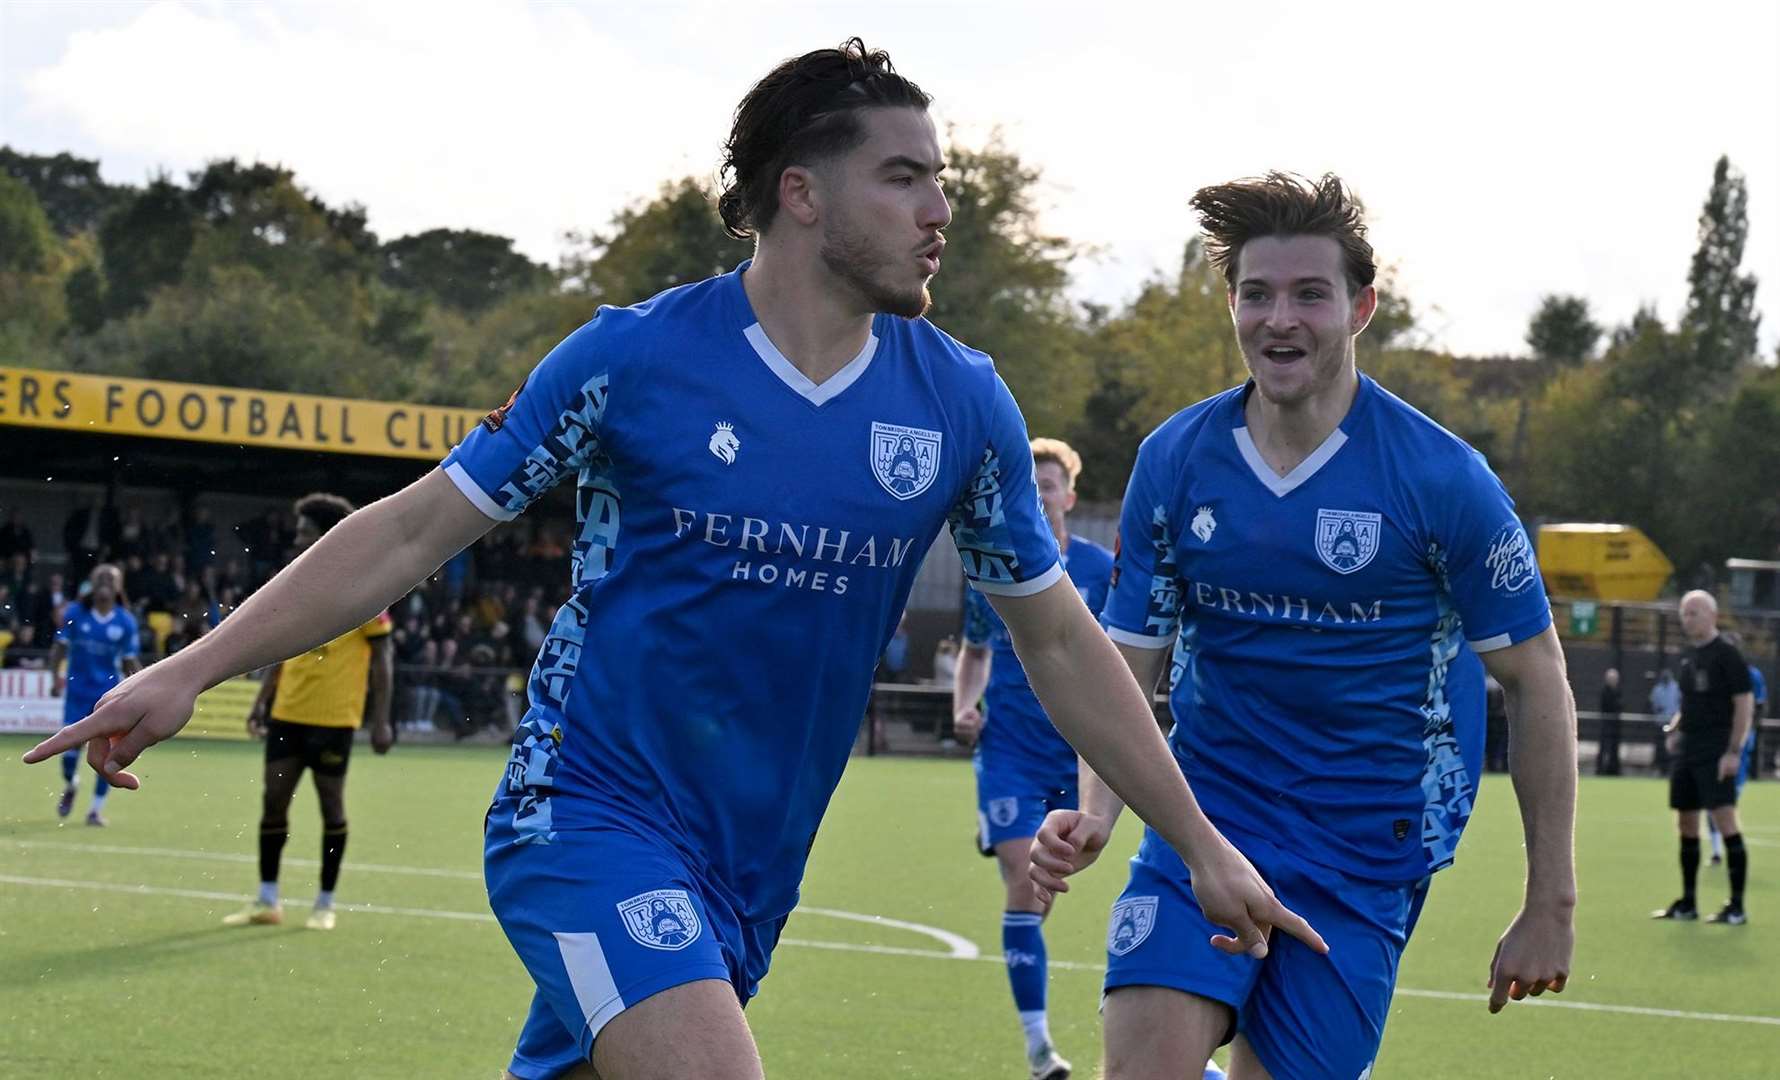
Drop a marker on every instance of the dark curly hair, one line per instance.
(1284, 204)
(325, 510)
(804, 111)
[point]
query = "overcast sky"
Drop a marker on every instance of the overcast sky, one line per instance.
(1505, 151)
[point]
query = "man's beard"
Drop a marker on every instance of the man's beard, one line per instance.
(850, 257)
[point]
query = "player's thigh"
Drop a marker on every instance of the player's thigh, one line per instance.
(1244, 1064)
(604, 922)
(1725, 817)
(1314, 1015)
(1156, 1032)
(649, 1040)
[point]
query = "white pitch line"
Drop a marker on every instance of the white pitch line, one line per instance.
(957, 947)
(878, 950)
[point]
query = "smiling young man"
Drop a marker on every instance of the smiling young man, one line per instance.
(1328, 566)
(762, 460)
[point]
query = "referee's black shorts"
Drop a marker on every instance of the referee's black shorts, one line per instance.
(324, 749)
(1694, 785)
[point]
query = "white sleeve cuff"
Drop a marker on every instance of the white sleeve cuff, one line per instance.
(473, 492)
(1031, 587)
(1138, 641)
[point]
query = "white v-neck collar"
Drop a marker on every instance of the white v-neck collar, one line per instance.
(813, 392)
(1285, 485)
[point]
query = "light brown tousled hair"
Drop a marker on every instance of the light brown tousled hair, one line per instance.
(1059, 452)
(1284, 204)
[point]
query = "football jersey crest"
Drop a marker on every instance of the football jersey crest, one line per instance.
(664, 919)
(1132, 920)
(1346, 540)
(904, 459)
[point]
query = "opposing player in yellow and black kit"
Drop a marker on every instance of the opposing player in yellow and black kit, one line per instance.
(307, 711)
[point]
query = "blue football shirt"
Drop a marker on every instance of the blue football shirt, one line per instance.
(97, 646)
(1329, 697)
(1016, 729)
(747, 540)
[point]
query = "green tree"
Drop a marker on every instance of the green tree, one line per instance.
(671, 239)
(27, 244)
(1561, 333)
(1003, 285)
(70, 189)
(461, 268)
(1720, 319)
(145, 245)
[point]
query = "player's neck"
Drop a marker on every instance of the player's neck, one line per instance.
(817, 326)
(1287, 433)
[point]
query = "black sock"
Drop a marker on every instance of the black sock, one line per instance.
(333, 848)
(1690, 867)
(271, 848)
(1736, 860)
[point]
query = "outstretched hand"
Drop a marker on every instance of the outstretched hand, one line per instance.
(147, 708)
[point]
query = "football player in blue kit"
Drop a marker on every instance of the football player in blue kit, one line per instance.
(100, 641)
(761, 460)
(1332, 572)
(1024, 768)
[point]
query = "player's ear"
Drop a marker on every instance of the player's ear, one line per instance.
(797, 194)
(1365, 304)
(1069, 501)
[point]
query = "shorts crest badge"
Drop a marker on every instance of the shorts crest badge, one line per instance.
(663, 919)
(1003, 811)
(1346, 540)
(1132, 920)
(904, 459)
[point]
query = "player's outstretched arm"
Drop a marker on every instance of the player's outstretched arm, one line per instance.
(1534, 954)
(1090, 695)
(1070, 840)
(360, 567)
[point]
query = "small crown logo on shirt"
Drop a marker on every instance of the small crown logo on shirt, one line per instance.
(1204, 525)
(724, 444)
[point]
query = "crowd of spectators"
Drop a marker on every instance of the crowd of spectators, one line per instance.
(462, 639)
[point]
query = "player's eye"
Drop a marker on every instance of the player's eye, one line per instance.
(902, 181)
(1311, 294)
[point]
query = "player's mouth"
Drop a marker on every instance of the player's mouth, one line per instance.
(929, 256)
(1284, 354)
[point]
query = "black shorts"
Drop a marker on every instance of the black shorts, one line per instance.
(1694, 785)
(324, 749)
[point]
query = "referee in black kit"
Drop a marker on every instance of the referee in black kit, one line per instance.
(1717, 707)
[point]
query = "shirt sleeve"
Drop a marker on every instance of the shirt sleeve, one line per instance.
(1486, 562)
(1736, 673)
(547, 430)
(1003, 539)
(978, 623)
(63, 632)
(1143, 602)
(378, 627)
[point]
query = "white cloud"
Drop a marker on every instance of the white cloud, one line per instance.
(1505, 151)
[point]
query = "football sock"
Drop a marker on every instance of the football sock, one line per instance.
(268, 892)
(271, 850)
(100, 790)
(1690, 867)
(1023, 946)
(70, 766)
(324, 899)
(333, 849)
(1736, 860)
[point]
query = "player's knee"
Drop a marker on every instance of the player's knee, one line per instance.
(333, 825)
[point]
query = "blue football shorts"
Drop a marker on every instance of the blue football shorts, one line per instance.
(603, 918)
(1306, 1015)
(1014, 795)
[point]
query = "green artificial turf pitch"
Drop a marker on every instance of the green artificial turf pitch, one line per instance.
(112, 961)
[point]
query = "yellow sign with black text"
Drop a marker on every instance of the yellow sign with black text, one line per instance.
(72, 401)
